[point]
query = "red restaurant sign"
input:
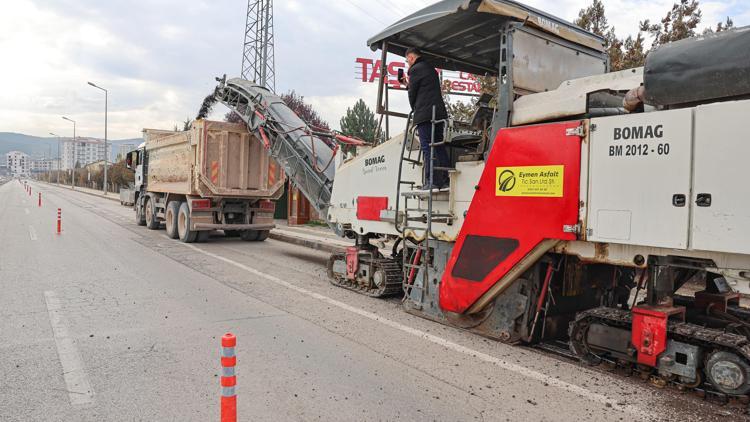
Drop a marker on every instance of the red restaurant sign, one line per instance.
(460, 82)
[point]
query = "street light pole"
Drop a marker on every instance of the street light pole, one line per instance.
(58, 157)
(73, 178)
(106, 155)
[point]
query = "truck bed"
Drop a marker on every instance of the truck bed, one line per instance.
(211, 159)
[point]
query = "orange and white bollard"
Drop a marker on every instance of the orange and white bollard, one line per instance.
(228, 378)
(40, 199)
(59, 221)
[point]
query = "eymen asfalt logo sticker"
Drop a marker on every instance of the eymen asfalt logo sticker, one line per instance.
(506, 181)
(532, 181)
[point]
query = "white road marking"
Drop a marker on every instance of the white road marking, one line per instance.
(32, 233)
(77, 382)
(518, 369)
(26, 210)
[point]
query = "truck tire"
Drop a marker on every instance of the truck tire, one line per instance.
(152, 223)
(170, 218)
(254, 235)
(140, 219)
(183, 225)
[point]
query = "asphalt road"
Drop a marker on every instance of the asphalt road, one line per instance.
(111, 321)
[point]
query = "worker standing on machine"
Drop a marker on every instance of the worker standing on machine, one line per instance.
(424, 94)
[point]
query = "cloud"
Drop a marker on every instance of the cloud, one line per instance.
(158, 59)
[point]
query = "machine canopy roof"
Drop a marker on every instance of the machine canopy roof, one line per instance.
(464, 35)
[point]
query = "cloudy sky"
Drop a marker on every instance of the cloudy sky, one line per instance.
(158, 58)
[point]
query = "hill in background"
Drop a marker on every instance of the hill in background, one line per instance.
(41, 147)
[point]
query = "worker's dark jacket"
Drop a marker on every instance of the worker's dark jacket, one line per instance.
(424, 92)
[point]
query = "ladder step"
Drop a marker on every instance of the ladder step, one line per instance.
(423, 193)
(435, 218)
(409, 160)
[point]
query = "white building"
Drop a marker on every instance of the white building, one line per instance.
(18, 163)
(83, 151)
(123, 150)
(44, 165)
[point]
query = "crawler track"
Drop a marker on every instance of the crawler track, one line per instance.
(710, 339)
(389, 269)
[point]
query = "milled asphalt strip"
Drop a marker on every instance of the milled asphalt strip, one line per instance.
(526, 372)
(76, 380)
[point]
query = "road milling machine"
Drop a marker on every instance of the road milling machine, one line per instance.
(603, 209)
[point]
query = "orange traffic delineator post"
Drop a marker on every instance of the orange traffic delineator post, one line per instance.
(59, 221)
(228, 378)
(40, 199)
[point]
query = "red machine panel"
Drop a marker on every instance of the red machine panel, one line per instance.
(369, 207)
(649, 334)
(528, 191)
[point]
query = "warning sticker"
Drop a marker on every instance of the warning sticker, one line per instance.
(539, 181)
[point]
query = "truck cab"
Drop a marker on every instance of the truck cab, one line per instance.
(135, 161)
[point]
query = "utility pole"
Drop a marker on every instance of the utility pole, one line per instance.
(58, 157)
(258, 63)
(106, 155)
(73, 178)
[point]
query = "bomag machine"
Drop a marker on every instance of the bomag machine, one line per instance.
(582, 205)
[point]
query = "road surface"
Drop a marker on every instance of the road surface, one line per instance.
(111, 321)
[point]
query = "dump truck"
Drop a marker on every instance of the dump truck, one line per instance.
(213, 176)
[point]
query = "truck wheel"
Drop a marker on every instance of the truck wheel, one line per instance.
(170, 217)
(140, 219)
(183, 225)
(263, 235)
(151, 222)
(249, 235)
(231, 233)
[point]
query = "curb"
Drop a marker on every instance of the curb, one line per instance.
(312, 244)
(111, 198)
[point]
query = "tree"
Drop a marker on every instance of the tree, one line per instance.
(360, 122)
(233, 117)
(185, 125)
(725, 26)
(120, 175)
(720, 27)
(459, 110)
(304, 111)
(635, 54)
(593, 19)
(679, 23)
